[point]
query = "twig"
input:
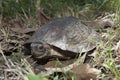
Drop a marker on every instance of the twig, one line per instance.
(7, 63)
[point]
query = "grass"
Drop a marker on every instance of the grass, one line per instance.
(26, 11)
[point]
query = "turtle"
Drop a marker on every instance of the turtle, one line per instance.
(64, 37)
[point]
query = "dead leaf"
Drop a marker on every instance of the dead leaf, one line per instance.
(22, 30)
(106, 23)
(85, 72)
(28, 30)
(43, 17)
(82, 71)
(17, 29)
(51, 64)
(10, 46)
(60, 64)
(91, 23)
(66, 68)
(7, 47)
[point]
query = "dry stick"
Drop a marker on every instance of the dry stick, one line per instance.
(117, 46)
(110, 15)
(65, 69)
(4, 57)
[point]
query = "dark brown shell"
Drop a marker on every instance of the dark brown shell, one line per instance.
(67, 33)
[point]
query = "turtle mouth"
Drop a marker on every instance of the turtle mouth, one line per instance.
(40, 56)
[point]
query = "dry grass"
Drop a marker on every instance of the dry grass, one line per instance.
(16, 67)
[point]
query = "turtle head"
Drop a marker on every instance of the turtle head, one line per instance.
(38, 50)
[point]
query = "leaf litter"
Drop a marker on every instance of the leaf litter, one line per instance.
(13, 44)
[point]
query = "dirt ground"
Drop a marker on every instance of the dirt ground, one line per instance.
(14, 61)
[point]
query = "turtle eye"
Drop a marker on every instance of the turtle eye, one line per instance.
(40, 48)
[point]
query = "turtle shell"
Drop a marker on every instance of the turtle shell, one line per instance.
(67, 33)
